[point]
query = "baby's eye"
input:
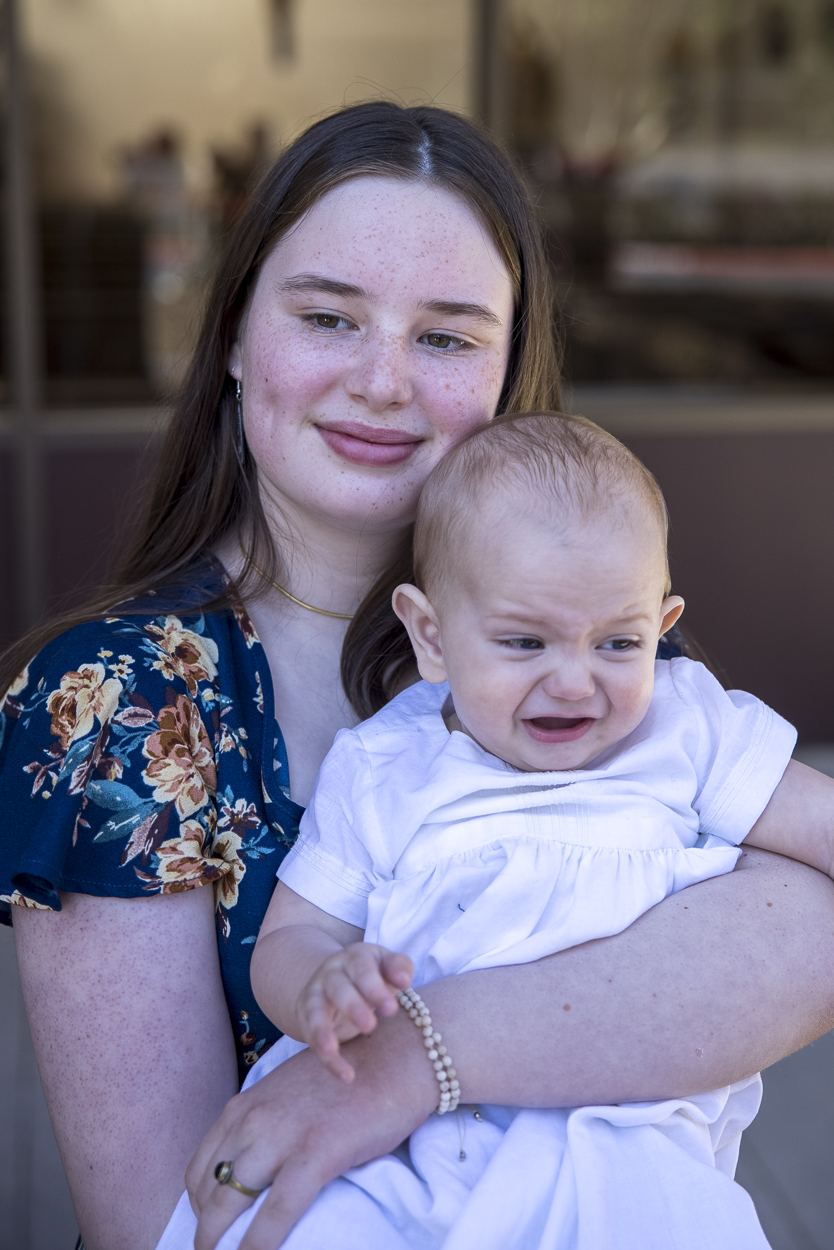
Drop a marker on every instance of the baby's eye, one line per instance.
(619, 644)
(522, 644)
(447, 343)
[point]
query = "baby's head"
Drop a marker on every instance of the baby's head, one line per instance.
(542, 588)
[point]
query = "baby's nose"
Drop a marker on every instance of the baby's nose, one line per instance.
(570, 680)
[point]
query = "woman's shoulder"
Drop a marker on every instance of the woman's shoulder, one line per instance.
(165, 636)
(144, 659)
(128, 757)
(90, 660)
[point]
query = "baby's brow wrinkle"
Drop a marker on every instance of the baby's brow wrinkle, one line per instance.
(458, 308)
(317, 282)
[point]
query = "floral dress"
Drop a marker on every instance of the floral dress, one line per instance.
(140, 755)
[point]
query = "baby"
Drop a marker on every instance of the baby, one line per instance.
(546, 783)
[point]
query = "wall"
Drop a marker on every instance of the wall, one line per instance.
(752, 548)
(748, 484)
(110, 72)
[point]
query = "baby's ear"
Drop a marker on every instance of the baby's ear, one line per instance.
(420, 619)
(670, 610)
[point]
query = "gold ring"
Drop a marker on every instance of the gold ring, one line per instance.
(224, 1175)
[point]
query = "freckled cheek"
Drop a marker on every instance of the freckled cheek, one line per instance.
(463, 402)
(279, 367)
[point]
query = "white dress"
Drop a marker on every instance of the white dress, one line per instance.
(436, 848)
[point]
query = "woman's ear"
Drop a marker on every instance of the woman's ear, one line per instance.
(420, 619)
(235, 363)
(670, 610)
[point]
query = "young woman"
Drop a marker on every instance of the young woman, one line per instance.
(384, 294)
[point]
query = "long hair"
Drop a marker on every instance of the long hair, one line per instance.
(202, 490)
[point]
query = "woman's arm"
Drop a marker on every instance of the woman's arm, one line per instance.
(709, 986)
(713, 984)
(134, 1046)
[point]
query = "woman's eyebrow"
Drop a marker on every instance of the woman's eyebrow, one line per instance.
(317, 282)
(455, 308)
(348, 290)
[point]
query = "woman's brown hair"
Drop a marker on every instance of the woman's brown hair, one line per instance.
(202, 489)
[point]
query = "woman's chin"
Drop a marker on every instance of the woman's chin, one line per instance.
(358, 506)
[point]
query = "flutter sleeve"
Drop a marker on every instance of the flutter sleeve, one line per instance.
(108, 775)
(742, 750)
(331, 864)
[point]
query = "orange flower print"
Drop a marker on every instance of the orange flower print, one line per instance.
(19, 684)
(181, 767)
(245, 625)
(241, 817)
(81, 698)
(183, 653)
(225, 847)
(10, 705)
(182, 864)
(20, 900)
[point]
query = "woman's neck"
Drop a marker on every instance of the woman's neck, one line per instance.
(332, 572)
(325, 565)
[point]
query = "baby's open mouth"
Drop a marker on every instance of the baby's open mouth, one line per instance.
(557, 722)
(557, 728)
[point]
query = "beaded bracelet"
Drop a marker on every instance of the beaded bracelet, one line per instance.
(413, 1005)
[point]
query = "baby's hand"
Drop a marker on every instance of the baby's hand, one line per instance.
(341, 998)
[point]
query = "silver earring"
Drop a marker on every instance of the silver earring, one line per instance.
(239, 436)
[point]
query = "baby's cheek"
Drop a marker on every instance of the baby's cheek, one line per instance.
(493, 725)
(633, 705)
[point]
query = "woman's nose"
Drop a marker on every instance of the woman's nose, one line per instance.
(382, 376)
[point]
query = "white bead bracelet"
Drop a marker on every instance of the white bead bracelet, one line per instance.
(413, 1005)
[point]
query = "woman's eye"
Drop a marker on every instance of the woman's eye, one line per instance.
(522, 644)
(327, 321)
(445, 342)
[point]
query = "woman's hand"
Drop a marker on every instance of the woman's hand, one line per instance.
(299, 1128)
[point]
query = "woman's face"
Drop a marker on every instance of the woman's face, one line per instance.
(377, 336)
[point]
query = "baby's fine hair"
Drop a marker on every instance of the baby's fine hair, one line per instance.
(575, 469)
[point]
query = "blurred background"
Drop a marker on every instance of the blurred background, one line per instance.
(681, 156)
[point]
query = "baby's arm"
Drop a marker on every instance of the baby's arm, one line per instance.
(799, 819)
(318, 981)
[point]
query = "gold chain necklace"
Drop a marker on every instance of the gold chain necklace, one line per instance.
(339, 616)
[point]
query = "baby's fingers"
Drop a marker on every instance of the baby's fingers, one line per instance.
(348, 999)
(397, 970)
(321, 1036)
(363, 965)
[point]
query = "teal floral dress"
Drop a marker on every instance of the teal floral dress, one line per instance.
(140, 755)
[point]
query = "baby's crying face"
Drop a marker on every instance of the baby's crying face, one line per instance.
(548, 637)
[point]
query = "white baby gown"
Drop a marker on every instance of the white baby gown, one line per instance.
(436, 848)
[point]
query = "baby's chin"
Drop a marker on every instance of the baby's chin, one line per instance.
(549, 744)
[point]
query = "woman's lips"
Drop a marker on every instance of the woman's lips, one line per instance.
(368, 444)
(558, 728)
